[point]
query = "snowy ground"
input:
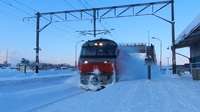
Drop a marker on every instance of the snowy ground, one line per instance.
(25, 92)
(57, 91)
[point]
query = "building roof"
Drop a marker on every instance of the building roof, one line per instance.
(190, 35)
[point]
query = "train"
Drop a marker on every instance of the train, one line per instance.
(97, 64)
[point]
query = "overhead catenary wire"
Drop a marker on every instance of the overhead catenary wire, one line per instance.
(25, 6)
(10, 15)
(59, 35)
(38, 11)
(87, 3)
(20, 18)
(8, 3)
(117, 37)
(80, 2)
(69, 4)
(76, 9)
(14, 17)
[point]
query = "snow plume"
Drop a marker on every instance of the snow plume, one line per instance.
(130, 65)
(74, 81)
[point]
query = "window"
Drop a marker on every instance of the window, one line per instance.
(89, 50)
(99, 51)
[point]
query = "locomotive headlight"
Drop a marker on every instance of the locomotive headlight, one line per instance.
(100, 44)
(96, 44)
(85, 62)
(106, 62)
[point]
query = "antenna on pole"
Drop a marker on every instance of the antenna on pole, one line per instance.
(94, 20)
(148, 39)
(7, 56)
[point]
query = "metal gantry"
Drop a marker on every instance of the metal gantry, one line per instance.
(107, 12)
(94, 14)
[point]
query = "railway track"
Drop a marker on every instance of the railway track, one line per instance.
(53, 102)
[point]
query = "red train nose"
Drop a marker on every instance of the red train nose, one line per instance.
(101, 66)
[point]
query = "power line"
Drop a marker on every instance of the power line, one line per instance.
(87, 4)
(44, 17)
(64, 30)
(8, 3)
(18, 18)
(90, 7)
(105, 23)
(25, 6)
(76, 9)
(10, 15)
(80, 2)
(67, 26)
(15, 17)
(117, 37)
(70, 4)
(58, 35)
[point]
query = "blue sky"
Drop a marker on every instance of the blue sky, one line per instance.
(58, 40)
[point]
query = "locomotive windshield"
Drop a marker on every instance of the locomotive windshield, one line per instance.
(88, 51)
(99, 51)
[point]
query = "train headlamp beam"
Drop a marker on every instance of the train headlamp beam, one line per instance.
(85, 62)
(100, 44)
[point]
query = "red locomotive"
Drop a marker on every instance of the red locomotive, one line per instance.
(97, 64)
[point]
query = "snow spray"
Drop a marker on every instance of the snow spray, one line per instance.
(130, 65)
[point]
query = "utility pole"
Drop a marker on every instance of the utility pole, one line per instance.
(7, 57)
(173, 39)
(76, 53)
(94, 20)
(37, 43)
(160, 51)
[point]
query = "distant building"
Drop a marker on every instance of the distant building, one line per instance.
(5, 65)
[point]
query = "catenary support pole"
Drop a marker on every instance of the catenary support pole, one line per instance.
(149, 72)
(173, 39)
(94, 21)
(37, 43)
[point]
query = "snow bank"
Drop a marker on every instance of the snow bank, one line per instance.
(14, 74)
(12, 80)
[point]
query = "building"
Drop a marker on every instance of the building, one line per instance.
(190, 37)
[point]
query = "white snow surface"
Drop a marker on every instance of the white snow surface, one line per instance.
(58, 91)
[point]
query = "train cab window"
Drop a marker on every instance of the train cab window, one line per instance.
(88, 51)
(99, 51)
(107, 51)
